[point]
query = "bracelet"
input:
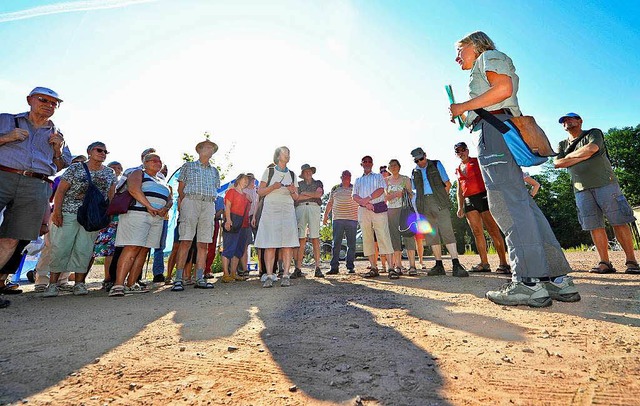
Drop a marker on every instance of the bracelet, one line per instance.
(55, 158)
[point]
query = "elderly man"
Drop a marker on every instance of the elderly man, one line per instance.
(344, 214)
(31, 150)
(198, 185)
(596, 190)
(307, 205)
(368, 192)
(432, 185)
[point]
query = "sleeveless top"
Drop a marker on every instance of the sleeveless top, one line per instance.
(470, 179)
(395, 203)
(155, 190)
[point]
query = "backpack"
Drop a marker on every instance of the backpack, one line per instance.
(92, 215)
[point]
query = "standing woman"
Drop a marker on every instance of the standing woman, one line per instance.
(396, 185)
(140, 228)
(537, 261)
(278, 224)
(235, 243)
(71, 244)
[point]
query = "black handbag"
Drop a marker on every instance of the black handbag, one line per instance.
(408, 222)
(236, 220)
(92, 214)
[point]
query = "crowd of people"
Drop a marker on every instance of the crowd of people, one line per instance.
(282, 211)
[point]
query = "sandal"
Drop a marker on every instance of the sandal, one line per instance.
(373, 273)
(203, 284)
(177, 286)
(394, 274)
(117, 291)
(412, 271)
(503, 268)
(608, 268)
(481, 268)
(7, 290)
(227, 279)
(632, 267)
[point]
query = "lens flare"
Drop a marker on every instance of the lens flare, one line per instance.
(424, 227)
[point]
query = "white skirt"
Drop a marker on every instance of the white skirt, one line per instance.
(278, 225)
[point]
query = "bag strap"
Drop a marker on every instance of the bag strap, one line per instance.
(491, 119)
(15, 121)
(86, 168)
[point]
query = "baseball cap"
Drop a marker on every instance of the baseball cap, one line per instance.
(573, 115)
(460, 145)
(418, 153)
(45, 91)
(345, 173)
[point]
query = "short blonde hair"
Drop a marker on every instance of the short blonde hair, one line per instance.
(276, 154)
(480, 41)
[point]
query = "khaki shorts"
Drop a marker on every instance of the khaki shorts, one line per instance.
(140, 229)
(374, 224)
(196, 216)
(308, 214)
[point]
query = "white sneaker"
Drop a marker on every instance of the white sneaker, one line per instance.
(285, 281)
(51, 291)
(80, 289)
(66, 287)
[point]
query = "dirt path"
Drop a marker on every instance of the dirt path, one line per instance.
(341, 340)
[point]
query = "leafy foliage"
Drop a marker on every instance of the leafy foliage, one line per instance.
(623, 146)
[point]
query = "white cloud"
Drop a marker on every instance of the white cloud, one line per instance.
(68, 7)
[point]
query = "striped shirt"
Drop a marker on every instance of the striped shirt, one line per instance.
(367, 184)
(343, 206)
(199, 179)
(156, 191)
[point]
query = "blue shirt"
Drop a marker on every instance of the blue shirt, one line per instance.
(427, 186)
(34, 153)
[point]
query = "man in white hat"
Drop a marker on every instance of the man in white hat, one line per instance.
(31, 150)
(198, 185)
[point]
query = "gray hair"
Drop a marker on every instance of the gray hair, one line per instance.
(480, 41)
(239, 178)
(150, 156)
(95, 144)
(276, 154)
(147, 152)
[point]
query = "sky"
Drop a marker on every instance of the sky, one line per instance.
(333, 80)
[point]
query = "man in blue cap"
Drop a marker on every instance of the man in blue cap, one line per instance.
(31, 150)
(597, 191)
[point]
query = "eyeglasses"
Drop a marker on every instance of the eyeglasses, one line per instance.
(418, 160)
(101, 151)
(54, 103)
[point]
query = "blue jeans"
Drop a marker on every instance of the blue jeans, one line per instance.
(340, 228)
(158, 253)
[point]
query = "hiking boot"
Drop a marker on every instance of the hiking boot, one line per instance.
(459, 271)
(297, 273)
(333, 271)
(564, 291)
(80, 289)
(437, 270)
(158, 278)
(517, 293)
(51, 291)
(318, 273)
(285, 282)
(268, 282)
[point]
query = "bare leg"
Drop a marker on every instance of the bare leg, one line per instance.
(623, 235)
(269, 257)
(125, 263)
(453, 250)
(7, 247)
(138, 264)
(474, 220)
(437, 252)
(299, 253)
(496, 237)
(600, 239)
(287, 253)
(316, 250)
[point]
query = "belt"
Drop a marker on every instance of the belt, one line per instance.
(202, 198)
(494, 112)
(31, 174)
(307, 203)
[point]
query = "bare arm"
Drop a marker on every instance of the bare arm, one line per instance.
(460, 199)
(327, 210)
(62, 189)
(534, 184)
(579, 155)
(500, 90)
(134, 186)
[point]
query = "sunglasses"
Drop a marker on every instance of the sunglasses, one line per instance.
(101, 151)
(460, 150)
(54, 103)
(154, 160)
(418, 160)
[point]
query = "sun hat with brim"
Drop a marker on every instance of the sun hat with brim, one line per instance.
(569, 115)
(205, 142)
(305, 167)
(45, 91)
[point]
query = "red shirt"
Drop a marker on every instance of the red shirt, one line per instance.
(239, 205)
(470, 179)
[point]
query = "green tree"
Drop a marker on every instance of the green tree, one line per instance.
(623, 146)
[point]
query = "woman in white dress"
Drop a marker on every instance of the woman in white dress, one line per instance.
(278, 225)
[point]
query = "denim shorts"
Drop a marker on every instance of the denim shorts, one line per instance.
(606, 201)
